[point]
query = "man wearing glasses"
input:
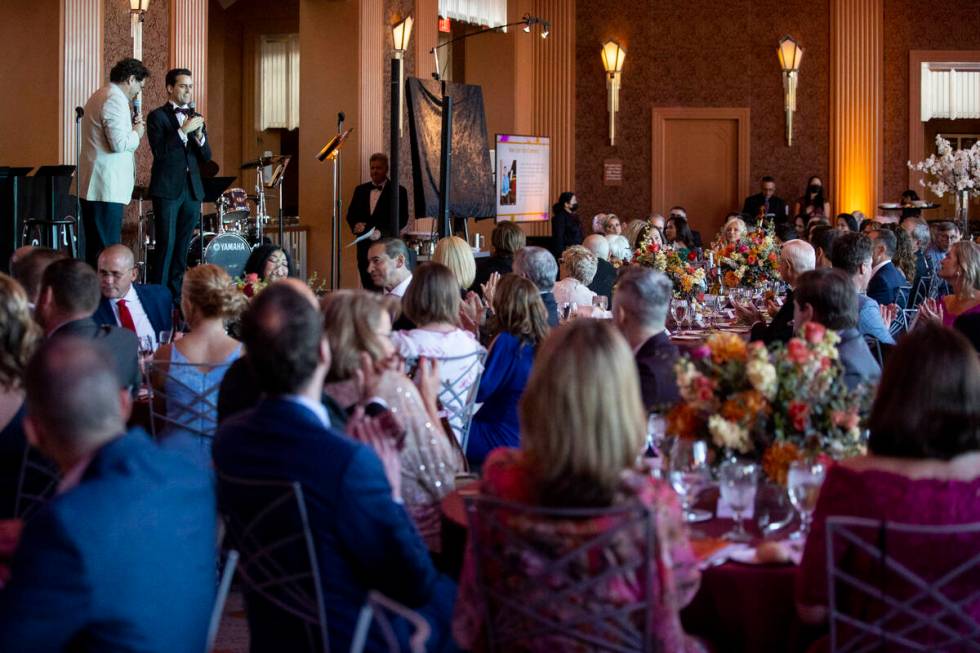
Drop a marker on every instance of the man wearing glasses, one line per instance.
(111, 131)
(145, 309)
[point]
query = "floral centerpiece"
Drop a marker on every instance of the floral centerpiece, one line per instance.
(951, 171)
(752, 262)
(778, 404)
(250, 285)
(679, 265)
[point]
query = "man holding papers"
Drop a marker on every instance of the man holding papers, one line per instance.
(369, 213)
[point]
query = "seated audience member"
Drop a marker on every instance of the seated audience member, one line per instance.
(734, 230)
(208, 298)
(18, 255)
(29, 268)
(145, 309)
(651, 235)
(123, 558)
(822, 239)
(69, 295)
(797, 257)
(921, 237)
(678, 235)
(457, 255)
(765, 204)
(506, 240)
(799, 225)
(270, 262)
(388, 266)
(584, 456)
(432, 303)
(363, 538)
(358, 327)
(658, 221)
(632, 231)
(606, 224)
(815, 224)
(785, 232)
(537, 265)
(578, 268)
(922, 467)
(19, 336)
(961, 270)
(640, 311)
(605, 273)
(946, 235)
(619, 249)
(852, 256)
(867, 225)
(521, 325)
(904, 258)
(846, 222)
(827, 297)
(886, 279)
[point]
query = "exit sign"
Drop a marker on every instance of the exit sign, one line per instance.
(445, 25)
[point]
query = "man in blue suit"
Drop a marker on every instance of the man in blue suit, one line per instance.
(852, 255)
(123, 558)
(146, 309)
(886, 279)
(363, 537)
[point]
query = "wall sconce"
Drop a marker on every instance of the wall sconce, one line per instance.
(790, 55)
(137, 9)
(612, 60)
(401, 32)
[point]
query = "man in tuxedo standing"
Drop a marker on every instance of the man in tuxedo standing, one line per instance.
(110, 133)
(180, 145)
(370, 208)
(145, 309)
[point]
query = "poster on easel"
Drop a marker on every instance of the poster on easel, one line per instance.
(523, 167)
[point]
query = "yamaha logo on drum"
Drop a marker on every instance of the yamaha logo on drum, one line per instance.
(234, 246)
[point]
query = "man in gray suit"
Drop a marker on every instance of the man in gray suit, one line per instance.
(110, 132)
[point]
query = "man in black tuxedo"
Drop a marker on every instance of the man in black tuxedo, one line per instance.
(370, 208)
(69, 295)
(765, 204)
(145, 308)
(179, 143)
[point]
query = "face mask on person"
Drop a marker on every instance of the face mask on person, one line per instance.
(573, 207)
(813, 189)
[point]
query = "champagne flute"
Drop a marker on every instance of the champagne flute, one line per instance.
(803, 483)
(689, 474)
(738, 482)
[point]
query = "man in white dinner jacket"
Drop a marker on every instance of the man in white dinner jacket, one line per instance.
(111, 132)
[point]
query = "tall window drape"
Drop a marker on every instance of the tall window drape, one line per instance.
(278, 73)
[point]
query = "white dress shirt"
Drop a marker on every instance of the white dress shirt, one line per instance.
(181, 119)
(143, 326)
(376, 195)
(399, 290)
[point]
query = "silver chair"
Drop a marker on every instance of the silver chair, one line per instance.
(545, 583)
(902, 587)
(459, 405)
(38, 481)
(224, 585)
(183, 398)
(376, 610)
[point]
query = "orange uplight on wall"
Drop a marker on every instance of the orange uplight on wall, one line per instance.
(790, 55)
(613, 56)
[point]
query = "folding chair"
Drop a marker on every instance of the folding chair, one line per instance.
(547, 576)
(224, 585)
(902, 587)
(376, 609)
(183, 397)
(39, 478)
(458, 400)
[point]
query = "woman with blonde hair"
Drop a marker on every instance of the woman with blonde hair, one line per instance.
(961, 270)
(358, 328)
(19, 337)
(457, 255)
(580, 443)
(734, 230)
(522, 324)
(578, 266)
(189, 371)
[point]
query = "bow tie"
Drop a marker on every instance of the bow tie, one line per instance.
(378, 187)
(187, 111)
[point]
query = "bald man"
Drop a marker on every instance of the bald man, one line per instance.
(146, 309)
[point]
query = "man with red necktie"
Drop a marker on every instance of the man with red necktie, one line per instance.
(144, 309)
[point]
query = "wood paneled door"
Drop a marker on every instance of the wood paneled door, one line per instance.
(701, 162)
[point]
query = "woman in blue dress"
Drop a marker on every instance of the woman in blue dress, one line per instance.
(522, 323)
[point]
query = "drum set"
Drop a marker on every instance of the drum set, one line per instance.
(227, 237)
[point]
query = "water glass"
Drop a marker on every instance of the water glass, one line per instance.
(145, 348)
(773, 510)
(738, 481)
(601, 302)
(689, 474)
(166, 337)
(803, 482)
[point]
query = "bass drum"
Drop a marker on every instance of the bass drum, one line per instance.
(228, 250)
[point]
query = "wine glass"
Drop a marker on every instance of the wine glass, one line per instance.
(166, 337)
(678, 310)
(689, 474)
(803, 483)
(738, 481)
(601, 302)
(145, 348)
(773, 510)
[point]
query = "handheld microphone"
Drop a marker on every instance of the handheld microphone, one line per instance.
(193, 107)
(137, 105)
(340, 120)
(79, 112)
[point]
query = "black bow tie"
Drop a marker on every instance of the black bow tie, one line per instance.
(187, 111)
(378, 187)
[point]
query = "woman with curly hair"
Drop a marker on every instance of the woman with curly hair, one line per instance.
(904, 258)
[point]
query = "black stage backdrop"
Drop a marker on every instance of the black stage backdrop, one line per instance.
(471, 193)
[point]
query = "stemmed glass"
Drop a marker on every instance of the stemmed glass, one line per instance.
(803, 483)
(145, 344)
(166, 336)
(601, 302)
(689, 474)
(678, 310)
(738, 481)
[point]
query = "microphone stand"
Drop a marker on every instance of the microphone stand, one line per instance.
(79, 112)
(337, 204)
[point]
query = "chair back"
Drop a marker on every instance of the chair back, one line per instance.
(458, 399)
(565, 579)
(38, 482)
(903, 587)
(376, 609)
(224, 585)
(183, 397)
(268, 524)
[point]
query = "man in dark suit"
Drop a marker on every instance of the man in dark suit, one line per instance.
(145, 309)
(180, 145)
(886, 279)
(827, 296)
(69, 295)
(640, 312)
(363, 537)
(370, 208)
(605, 273)
(538, 266)
(505, 241)
(123, 558)
(765, 204)
(797, 257)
